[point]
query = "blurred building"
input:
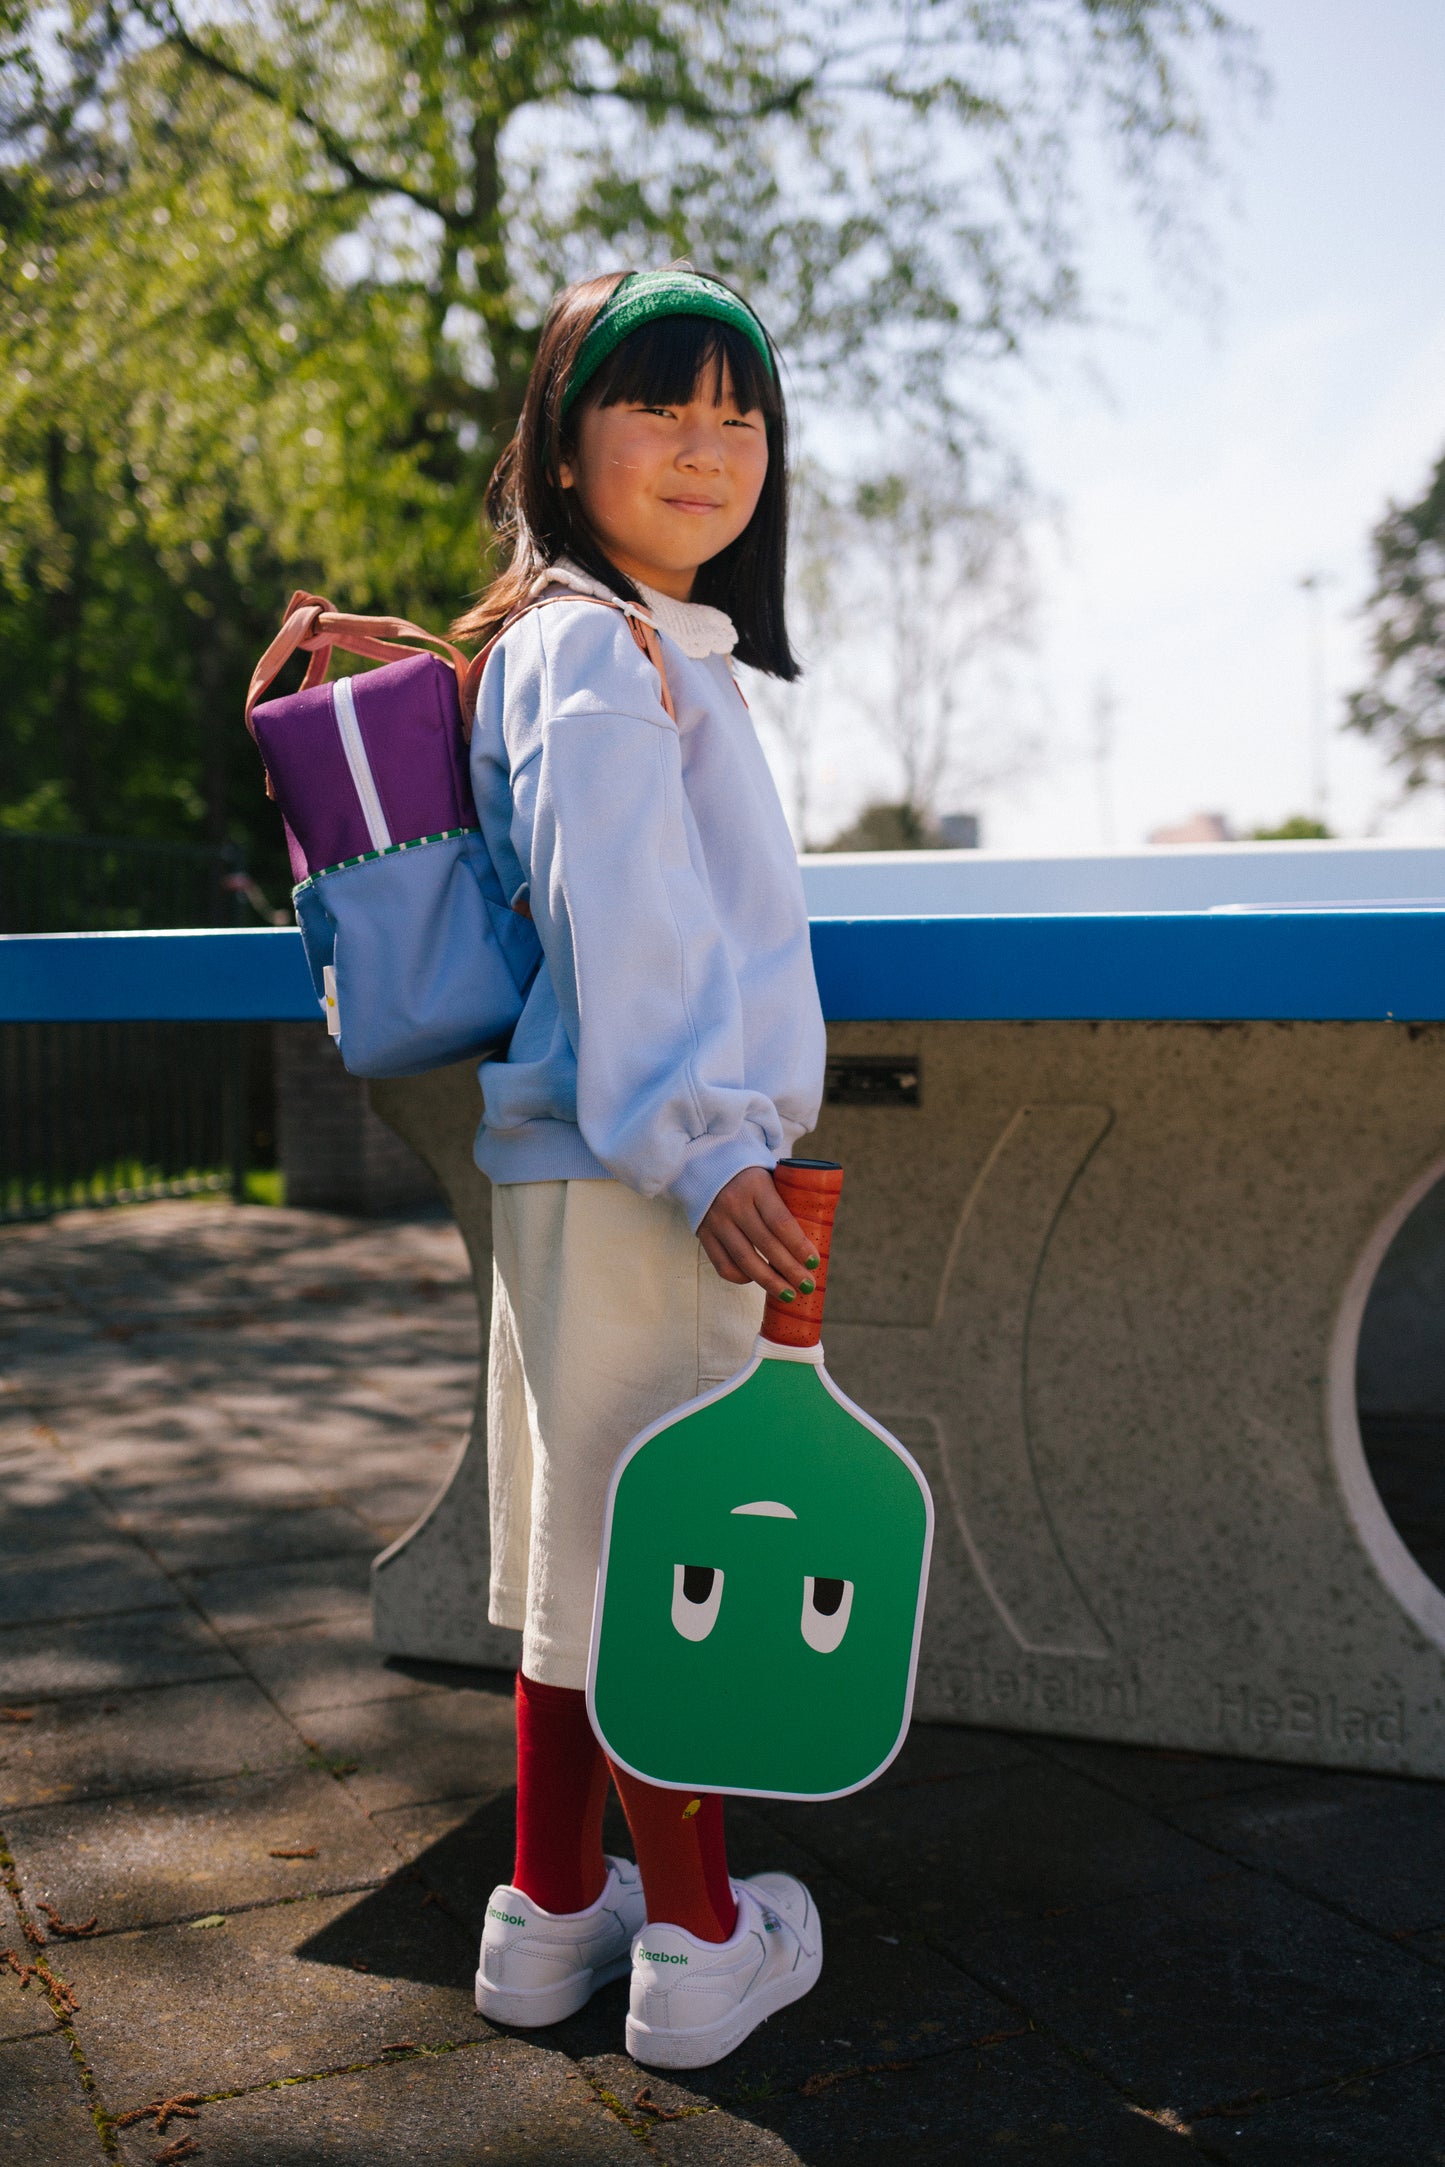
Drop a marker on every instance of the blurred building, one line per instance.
(1198, 828)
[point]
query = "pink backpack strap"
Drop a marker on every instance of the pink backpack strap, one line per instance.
(312, 625)
(643, 633)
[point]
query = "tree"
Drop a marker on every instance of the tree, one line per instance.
(944, 595)
(909, 598)
(1404, 703)
(273, 276)
(821, 537)
(1298, 828)
(882, 826)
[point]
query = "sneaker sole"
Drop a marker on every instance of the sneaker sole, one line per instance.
(530, 2007)
(710, 2043)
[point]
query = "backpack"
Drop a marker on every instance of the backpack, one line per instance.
(417, 956)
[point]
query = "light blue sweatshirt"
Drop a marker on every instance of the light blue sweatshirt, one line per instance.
(673, 1034)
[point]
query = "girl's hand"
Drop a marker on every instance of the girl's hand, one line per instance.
(748, 1233)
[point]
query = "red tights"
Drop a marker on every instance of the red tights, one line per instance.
(561, 1791)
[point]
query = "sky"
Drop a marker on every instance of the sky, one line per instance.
(1205, 451)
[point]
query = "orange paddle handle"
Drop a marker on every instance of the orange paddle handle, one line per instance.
(810, 1188)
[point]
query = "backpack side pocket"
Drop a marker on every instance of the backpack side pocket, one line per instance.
(428, 967)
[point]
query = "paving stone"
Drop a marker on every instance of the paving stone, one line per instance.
(1022, 2099)
(715, 2139)
(704, 2135)
(372, 1440)
(1387, 2118)
(1162, 1777)
(134, 1741)
(275, 1992)
(1198, 1996)
(311, 1667)
(936, 1753)
(1372, 1845)
(259, 1598)
(463, 1848)
(427, 1746)
(149, 1489)
(999, 1842)
(44, 1508)
(108, 1655)
(150, 1478)
(498, 2102)
(86, 1581)
(145, 1448)
(159, 1855)
(44, 2116)
(218, 1533)
(24, 2011)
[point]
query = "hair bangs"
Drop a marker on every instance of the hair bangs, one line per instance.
(680, 358)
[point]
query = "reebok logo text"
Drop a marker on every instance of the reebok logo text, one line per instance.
(508, 1918)
(661, 1956)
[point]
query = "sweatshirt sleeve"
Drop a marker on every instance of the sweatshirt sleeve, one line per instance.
(644, 982)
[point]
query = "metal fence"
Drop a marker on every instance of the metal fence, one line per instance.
(116, 1113)
(100, 884)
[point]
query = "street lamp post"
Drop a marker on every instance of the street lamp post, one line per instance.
(1313, 584)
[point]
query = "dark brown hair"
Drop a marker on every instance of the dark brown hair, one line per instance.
(662, 364)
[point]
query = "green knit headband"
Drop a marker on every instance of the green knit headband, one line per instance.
(642, 298)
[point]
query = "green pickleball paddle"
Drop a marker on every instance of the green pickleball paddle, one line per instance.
(764, 1564)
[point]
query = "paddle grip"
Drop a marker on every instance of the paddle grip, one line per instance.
(810, 1189)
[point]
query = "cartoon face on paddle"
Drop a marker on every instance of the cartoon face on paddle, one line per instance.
(698, 1590)
(697, 1593)
(759, 1605)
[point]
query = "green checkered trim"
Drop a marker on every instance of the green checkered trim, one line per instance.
(392, 850)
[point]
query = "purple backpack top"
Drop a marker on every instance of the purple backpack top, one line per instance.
(416, 954)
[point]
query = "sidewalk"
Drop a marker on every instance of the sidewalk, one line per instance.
(247, 1859)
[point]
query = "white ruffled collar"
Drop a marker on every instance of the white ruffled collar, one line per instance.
(696, 627)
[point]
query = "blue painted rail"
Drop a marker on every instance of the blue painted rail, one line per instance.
(1314, 964)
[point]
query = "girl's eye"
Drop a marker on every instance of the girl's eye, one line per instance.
(696, 1594)
(827, 1607)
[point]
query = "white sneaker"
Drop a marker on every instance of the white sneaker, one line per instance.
(539, 1966)
(694, 2001)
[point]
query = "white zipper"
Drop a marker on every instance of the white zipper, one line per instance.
(349, 729)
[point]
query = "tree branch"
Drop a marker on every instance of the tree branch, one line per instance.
(786, 100)
(176, 35)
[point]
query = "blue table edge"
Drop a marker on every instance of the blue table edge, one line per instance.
(1345, 964)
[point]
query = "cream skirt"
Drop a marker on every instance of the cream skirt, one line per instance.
(605, 1314)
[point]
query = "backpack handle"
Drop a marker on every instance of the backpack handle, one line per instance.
(311, 624)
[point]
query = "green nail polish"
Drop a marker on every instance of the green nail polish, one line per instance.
(811, 1263)
(805, 1286)
(786, 1295)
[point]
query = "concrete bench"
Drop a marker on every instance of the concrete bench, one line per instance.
(1135, 1136)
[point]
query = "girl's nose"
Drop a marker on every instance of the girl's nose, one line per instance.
(701, 451)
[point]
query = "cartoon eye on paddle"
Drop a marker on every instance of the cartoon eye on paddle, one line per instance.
(827, 1607)
(696, 1594)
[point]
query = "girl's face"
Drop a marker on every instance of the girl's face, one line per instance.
(665, 488)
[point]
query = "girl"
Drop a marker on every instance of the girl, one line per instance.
(670, 1052)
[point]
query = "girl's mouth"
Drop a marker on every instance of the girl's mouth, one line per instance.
(692, 504)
